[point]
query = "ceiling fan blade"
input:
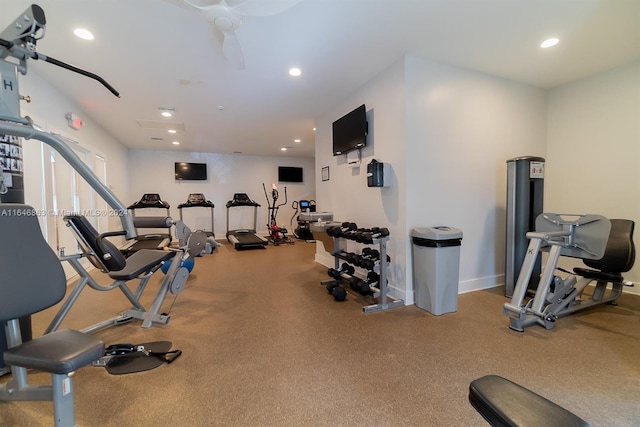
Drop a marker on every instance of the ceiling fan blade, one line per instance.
(233, 50)
(261, 7)
(227, 22)
(202, 4)
(224, 15)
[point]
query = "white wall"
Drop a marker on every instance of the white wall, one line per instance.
(447, 133)
(153, 172)
(462, 127)
(48, 108)
(593, 148)
(346, 193)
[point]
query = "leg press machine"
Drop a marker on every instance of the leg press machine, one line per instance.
(604, 245)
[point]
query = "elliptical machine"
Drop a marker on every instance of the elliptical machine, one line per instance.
(277, 235)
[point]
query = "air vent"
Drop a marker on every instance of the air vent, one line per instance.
(157, 138)
(150, 124)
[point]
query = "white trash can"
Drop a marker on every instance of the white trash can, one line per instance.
(436, 268)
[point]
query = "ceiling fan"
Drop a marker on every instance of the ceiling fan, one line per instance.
(226, 16)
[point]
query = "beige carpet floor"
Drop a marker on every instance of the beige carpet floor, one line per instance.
(265, 345)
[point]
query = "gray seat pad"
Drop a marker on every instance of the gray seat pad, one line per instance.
(59, 352)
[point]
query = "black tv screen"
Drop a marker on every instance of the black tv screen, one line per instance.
(350, 131)
(289, 174)
(191, 171)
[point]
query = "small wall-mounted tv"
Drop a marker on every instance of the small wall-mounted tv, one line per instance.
(350, 131)
(190, 171)
(289, 174)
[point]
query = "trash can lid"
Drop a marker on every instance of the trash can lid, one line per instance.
(441, 232)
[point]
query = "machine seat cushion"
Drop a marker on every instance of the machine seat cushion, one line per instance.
(141, 262)
(504, 403)
(620, 253)
(59, 352)
(598, 275)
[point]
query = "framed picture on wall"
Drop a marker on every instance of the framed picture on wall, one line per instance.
(325, 173)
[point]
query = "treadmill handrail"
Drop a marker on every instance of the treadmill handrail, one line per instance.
(235, 203)
(205, 204)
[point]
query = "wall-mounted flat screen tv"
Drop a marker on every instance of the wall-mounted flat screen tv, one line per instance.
(191, 171)
(289, 174)
(350, 131)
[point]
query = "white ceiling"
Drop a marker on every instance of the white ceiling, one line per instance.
(163, 53)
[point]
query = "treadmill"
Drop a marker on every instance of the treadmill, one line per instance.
(244, 238)
(198, 200)
(152, 240)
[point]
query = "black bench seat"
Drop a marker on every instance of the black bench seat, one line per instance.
(505, 403)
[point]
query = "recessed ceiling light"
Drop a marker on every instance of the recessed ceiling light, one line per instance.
(175, 143)
(283, 149)
(171, 131)
(83, 34)
(296, 140)
(549, 42)
(295, 72)
(166, 111)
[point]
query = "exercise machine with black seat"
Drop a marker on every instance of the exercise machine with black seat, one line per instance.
(33, 280)
(32, 275)
(606, 246)
(244, 238)
(198, 200)
(139, 266)
(152, 240)
(277, 234)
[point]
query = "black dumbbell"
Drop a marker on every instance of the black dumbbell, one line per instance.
(373, 280)
(331, 285)
(353, 282)
(339, 293)
(370, 252)
(359, 285)
(346, 228)
(351, 257)
(358, 236)
(375, 233)
(345, 268)
(373, 277)
(370, 263)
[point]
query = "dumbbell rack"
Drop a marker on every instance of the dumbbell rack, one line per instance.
(385, 300)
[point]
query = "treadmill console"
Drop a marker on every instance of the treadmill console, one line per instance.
(241, 199)
(150, 200)
(196, 199)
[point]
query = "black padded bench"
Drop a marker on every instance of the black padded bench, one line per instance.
(505, 403)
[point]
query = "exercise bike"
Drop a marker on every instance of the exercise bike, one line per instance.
(277, 235)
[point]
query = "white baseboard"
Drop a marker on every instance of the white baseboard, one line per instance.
(480, 283)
